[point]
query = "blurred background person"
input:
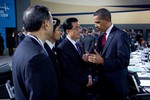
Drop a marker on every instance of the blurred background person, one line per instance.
(89, 40)
(148, 42)
(62, 37)
(83, 33)
(1, 45)
(10, 43)
(141, 44)
(22, 35)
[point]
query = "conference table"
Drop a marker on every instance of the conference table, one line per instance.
(140, 63)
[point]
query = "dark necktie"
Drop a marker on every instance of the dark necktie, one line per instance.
(104, 39)
(78, 48)
(53, 50)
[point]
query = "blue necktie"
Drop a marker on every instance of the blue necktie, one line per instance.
(79, 49)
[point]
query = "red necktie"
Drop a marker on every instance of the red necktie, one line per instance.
(103, 39)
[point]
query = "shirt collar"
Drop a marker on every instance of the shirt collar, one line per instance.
(108, 30)
(72, 41)
(37, 39)
(50, 44)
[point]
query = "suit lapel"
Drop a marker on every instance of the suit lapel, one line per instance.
(109, 39)
(47, 47)
(72, 46)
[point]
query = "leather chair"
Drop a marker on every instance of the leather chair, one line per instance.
(142, 96)
(5, 73)
(6, 86)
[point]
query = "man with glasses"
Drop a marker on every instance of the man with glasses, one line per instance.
(51, 48)
(74, 72)
(34, 76)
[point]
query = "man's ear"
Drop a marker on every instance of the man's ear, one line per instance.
(46, 24)
(107, 19)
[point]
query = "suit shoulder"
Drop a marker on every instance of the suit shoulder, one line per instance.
(63, 44)
(117, 30)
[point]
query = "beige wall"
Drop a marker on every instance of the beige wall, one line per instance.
(141, 17)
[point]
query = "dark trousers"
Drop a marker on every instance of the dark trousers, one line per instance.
(1, 51)
(11, 51)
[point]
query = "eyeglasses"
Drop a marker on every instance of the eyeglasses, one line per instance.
(54, 22)
(59, 29)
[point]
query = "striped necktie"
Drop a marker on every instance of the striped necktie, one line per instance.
(78, 48)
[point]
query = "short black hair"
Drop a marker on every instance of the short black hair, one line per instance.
(90, 29)
(56, 23)
(34, 16)
(68, 23)
(103, 13)
(84, 29)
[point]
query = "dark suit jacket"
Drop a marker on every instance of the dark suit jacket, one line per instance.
(21, 37)
(60, 40)
(89, 43)
(34, 76)
(1, 43)
(116, 53)
(73, 70)
(51, 55)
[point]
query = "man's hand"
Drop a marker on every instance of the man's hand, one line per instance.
(90, 82)
(85, 56)
(95, 58)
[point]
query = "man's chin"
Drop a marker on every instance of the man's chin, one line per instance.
(49, 34)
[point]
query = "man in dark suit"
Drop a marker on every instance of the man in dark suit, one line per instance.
(34, 76)
(1, 45)
(22, 35)
(62, 37)
(112, 57)
(89, 41)
(49, 45)
(83, 33)
(74, 72)
(10, 43)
